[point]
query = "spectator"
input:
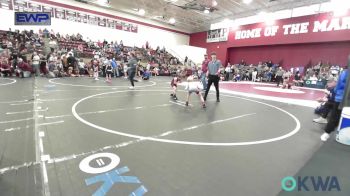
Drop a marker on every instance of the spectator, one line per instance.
(243, 63)
(23, 68)
(71, 61)
(297, 79)
(5, 69)
(146, 75)
(43, 66)
(132, 69)
(115, 67)
(327, 103)
(335, 113)
(279, 76)
(204, 70)
(36, 63)
(254, 75)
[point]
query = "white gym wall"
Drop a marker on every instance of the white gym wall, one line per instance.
(155, 37)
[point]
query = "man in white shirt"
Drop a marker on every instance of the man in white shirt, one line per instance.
(52, 44)
(227, 72)
(36, 63)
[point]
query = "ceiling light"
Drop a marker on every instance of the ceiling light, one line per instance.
(234, 26)
(142, 12)
(270, 21)
(247, 1)
(172, 20)
(340, 7)
(266, 17)
(226, 21)
(206, 11)
(102, 2)
(262, 14)
(214, 3)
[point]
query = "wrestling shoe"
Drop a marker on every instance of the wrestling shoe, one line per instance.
(320, 120)
(325, 137)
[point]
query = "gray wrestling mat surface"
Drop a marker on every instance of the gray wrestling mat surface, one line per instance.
(76, 136)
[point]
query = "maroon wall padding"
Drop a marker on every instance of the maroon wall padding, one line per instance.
(293, 55)
(223, 48)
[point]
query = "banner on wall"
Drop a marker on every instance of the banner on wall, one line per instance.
(33, 7)
(134, 28)
(82, 18)
(119, 25)
(48, 9)
(126, 26)
(111, 24)
(102, 22)
(307, 27)
(68, 14)
(60, 13)
(32, 18)
(6, 4)
(71, 15)
(217, 35)
(20, 6)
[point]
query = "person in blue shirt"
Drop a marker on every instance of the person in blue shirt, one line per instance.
(146, 75)
(213, 76)
(335, 113)
(115, 67)
(46, 32)
(327, 103)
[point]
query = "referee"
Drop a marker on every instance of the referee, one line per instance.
(213, 76)
(132, 69)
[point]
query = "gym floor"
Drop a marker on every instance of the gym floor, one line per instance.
(77, 136)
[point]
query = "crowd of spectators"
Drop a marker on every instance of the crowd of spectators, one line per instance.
(23, 53)
(17, 52)
(273, 72)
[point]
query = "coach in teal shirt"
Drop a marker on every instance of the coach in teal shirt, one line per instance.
(213, 76)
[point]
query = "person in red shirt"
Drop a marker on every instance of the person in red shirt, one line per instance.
(23, 66)
(100, 44)
(173, 85)
(204, 70)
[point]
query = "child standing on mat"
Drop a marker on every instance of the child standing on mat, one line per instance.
(109, 71)
(96, 69)
(193, 86)
(173, 84)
